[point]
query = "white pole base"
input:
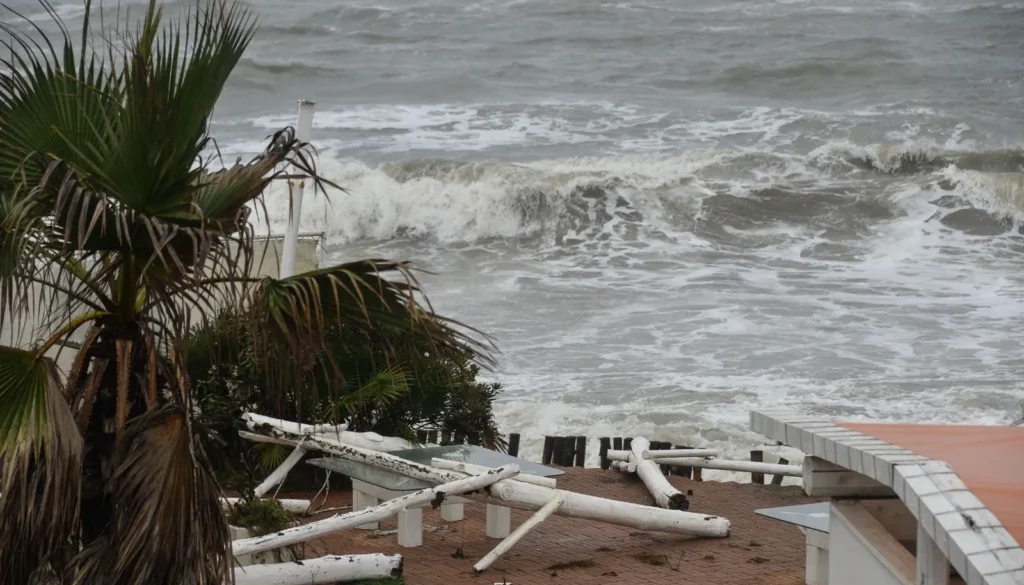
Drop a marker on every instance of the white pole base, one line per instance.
(453, 512)
(499, 521)
(362, 501)
(410, 527)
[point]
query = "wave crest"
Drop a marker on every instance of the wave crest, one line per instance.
(711, 193)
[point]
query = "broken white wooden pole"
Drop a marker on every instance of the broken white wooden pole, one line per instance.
(666, 453)
(624, 455)
(291, 234)
(545, 511)
(373, 441)
(296, 427)
(328, 569)
(517, 494)
(298, 534)
(727, 465)
(278, 475)
(473, 469)
(293, 506)
(650, 473)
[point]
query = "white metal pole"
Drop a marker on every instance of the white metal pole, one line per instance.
(291, 234)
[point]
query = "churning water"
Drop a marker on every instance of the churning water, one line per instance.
(668, 212)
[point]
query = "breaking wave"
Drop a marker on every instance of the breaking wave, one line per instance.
(840, 189)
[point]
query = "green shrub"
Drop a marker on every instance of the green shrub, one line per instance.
(382, 381)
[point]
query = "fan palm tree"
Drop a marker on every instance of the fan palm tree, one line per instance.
(115, 227)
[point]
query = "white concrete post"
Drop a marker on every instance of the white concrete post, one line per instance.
(410, 527)
(932, 566)
(362, 501)
(499, 521)
(291, 234)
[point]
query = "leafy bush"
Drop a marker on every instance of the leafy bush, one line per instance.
(388, 382)
(265, 516)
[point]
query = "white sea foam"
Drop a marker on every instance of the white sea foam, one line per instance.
(667, 295)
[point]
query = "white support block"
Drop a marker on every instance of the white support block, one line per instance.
(453, 512)
(932, 566)
(816, 572)
(499, 521)
(361, 501)
(410, 527)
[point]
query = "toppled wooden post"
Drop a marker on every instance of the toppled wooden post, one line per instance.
(278, 475)
(293, 506)
(650, 473)
(290, 536)
(672, 453)
(517, 494)
(777, 479)
(328, 569)
(728, 465)
(257, 423)
(472, 469)
(546, 510)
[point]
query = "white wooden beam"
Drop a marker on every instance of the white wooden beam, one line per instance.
(728, 465)
(469, 468)
(278, 475)
(329, 569)
(289, 505)
(320, 528)
(521, 495)
(932, 565)
(665, 495)
(541, 515)
(872, 535)
(825, 479)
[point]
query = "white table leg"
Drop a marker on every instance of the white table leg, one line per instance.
(932, 566)
(410, 527)
(817, 558)
(361, 501)
(452, 512)
(499, 521)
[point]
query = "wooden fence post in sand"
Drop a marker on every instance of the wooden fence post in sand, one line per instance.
(581, 451)
(606, 445)
(549, 450)
(757, 456)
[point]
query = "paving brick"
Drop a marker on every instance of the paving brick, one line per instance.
(760, 551)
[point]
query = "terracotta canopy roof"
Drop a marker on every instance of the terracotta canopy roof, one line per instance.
(988, 459)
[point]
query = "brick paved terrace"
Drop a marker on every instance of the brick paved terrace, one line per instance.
(569, 551)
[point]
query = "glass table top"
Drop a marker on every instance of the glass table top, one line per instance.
(813, 516)
(390, 480)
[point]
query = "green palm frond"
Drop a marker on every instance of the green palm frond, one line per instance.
(167, 501)
(383, 389)
(271, 455)
(40, 459)
(301, 309)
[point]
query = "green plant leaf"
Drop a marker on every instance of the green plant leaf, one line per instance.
(40, 459)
